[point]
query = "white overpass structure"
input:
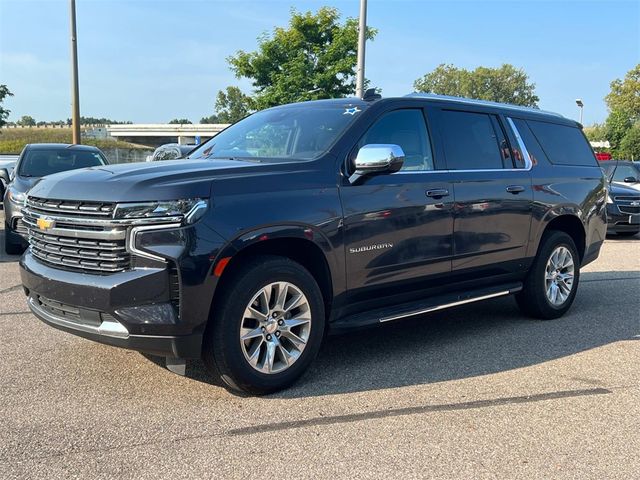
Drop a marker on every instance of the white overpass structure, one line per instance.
(156, 134)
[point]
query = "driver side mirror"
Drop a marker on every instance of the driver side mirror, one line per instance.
(630, 180)
(375, 159)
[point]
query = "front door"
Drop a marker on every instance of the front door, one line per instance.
(398, 227)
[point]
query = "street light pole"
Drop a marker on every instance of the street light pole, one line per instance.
(75, 99)
(362, 39)
(581, 107)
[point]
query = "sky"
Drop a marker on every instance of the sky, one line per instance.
(149, 61)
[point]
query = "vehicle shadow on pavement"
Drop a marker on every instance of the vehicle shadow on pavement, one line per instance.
(468, 341)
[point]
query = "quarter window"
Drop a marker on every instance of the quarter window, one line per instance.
(471, 141)
(407, 129)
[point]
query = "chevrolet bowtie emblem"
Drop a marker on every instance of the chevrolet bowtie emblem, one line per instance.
(45, 223)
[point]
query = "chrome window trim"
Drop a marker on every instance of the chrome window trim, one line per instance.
(131, 239)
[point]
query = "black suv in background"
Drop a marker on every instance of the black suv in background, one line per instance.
(623, 201)
(312, 218)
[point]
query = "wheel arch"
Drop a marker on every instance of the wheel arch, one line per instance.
(571, 224)
(303, 244)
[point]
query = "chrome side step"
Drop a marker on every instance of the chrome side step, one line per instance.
(443, 306)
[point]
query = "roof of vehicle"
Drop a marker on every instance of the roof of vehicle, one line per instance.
(530, 111)
(44, 146)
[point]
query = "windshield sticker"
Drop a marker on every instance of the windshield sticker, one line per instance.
(351, 111)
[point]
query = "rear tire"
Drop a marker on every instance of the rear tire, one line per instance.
(275, 304)
(552, 281)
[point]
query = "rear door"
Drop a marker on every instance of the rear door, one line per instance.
(493, 192)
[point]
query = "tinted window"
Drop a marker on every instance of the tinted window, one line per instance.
(470, 141)
(289, 133)
(625, 171)
(42, 162)
(407, 129)
(533, 147)
(563, 145)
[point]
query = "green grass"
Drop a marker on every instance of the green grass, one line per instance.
(13, 140)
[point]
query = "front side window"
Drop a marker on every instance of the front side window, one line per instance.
(471, 141)
(43, 162)
(625, 171)
(407, 129)
(291, 133)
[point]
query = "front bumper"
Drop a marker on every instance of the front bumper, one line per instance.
(618, 221)
(130, 309)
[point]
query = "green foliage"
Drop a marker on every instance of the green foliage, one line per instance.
(180, 121)
(27, 121)
(506, 84)
(233, 105)
(630, 143)
(210, 119)
(13, 140)
(315, 57)
(596, 132)
(4, 113)
(625, 95)
(616, 126)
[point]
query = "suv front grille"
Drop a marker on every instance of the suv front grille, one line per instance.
(624, 203)
(65, 207)
(80, 236)
(79, 253)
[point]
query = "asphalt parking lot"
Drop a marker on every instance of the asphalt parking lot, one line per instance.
(474, 392)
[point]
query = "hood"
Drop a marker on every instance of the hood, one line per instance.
(617, 188)
(628, 186)
(24, 184)
(138, 182)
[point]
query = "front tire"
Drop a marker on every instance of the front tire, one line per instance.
(552, 281)
(267, 326)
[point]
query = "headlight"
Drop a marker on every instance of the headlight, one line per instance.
(16, 197)
(191, 209)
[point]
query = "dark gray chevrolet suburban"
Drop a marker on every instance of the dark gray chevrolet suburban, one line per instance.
(312, 218)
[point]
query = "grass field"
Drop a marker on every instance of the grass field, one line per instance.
(13, 140)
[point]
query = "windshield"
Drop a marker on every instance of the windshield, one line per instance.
(43, 162)
(300, 132)
(625, 171)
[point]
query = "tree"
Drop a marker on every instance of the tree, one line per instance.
(616, 126)
(210, 119)
(27, 121)
(4, 113)
(596, 132)
(233, 105)
(180, 121)
(625, 95)
(630, 144)
(314, 57)
(506, 84)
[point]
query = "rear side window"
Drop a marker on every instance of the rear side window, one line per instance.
(470, 141)
(563, 145)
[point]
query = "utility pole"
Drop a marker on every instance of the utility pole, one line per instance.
(75, 98)
(362, 38)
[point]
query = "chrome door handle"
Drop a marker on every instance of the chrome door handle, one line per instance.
(515, 189)
(438, 193)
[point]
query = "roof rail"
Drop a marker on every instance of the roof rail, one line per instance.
(471, 101)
